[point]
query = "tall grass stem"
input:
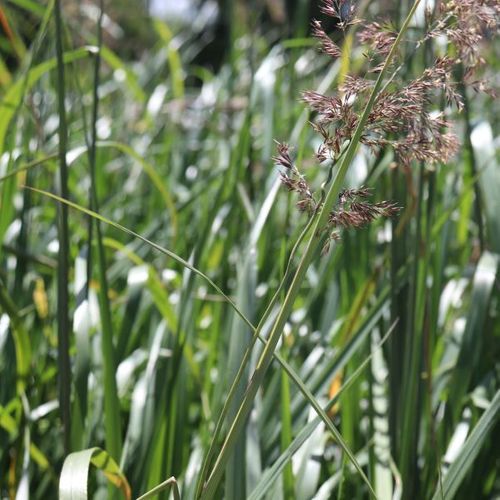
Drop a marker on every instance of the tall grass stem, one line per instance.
(63, 323)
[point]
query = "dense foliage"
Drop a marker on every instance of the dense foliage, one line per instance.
(276, 272)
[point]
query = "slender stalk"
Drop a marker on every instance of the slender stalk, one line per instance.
(112, 422)
(286, 437)
(312, 246)
(306, 431)
(413, 397)
(28, 166)
(63, 324)
(413, 354)
(246, 358)
(170, 483)
(473, 166)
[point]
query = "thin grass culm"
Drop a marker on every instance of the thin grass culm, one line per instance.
(63, 324)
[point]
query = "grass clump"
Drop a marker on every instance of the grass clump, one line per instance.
(228, 340)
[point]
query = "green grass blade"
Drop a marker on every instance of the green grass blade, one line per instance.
(9, 108)
(28, 166)
(472, 164)
(485, 151)
(21, 338)
(155, 177)
(30, 6)
(82, 325)
(154, 284)
(112, 418)
(471, 448)
(173, 58)
(232, 391)
(471, 344)
(240, 338)
(333, 430)
(411, 395)
(273, 473)
(157, 247)
(73, 482)
(170, 483)
(148, 168)
(382, 475)
(141, 423)
(286, 436)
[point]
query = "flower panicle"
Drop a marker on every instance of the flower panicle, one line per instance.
(354, 210)
(360, 214)
(380, 37)
(402, 117)
(328, 46)
(293, 180)
(283, 157)
(343, 11)
(464, 23)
